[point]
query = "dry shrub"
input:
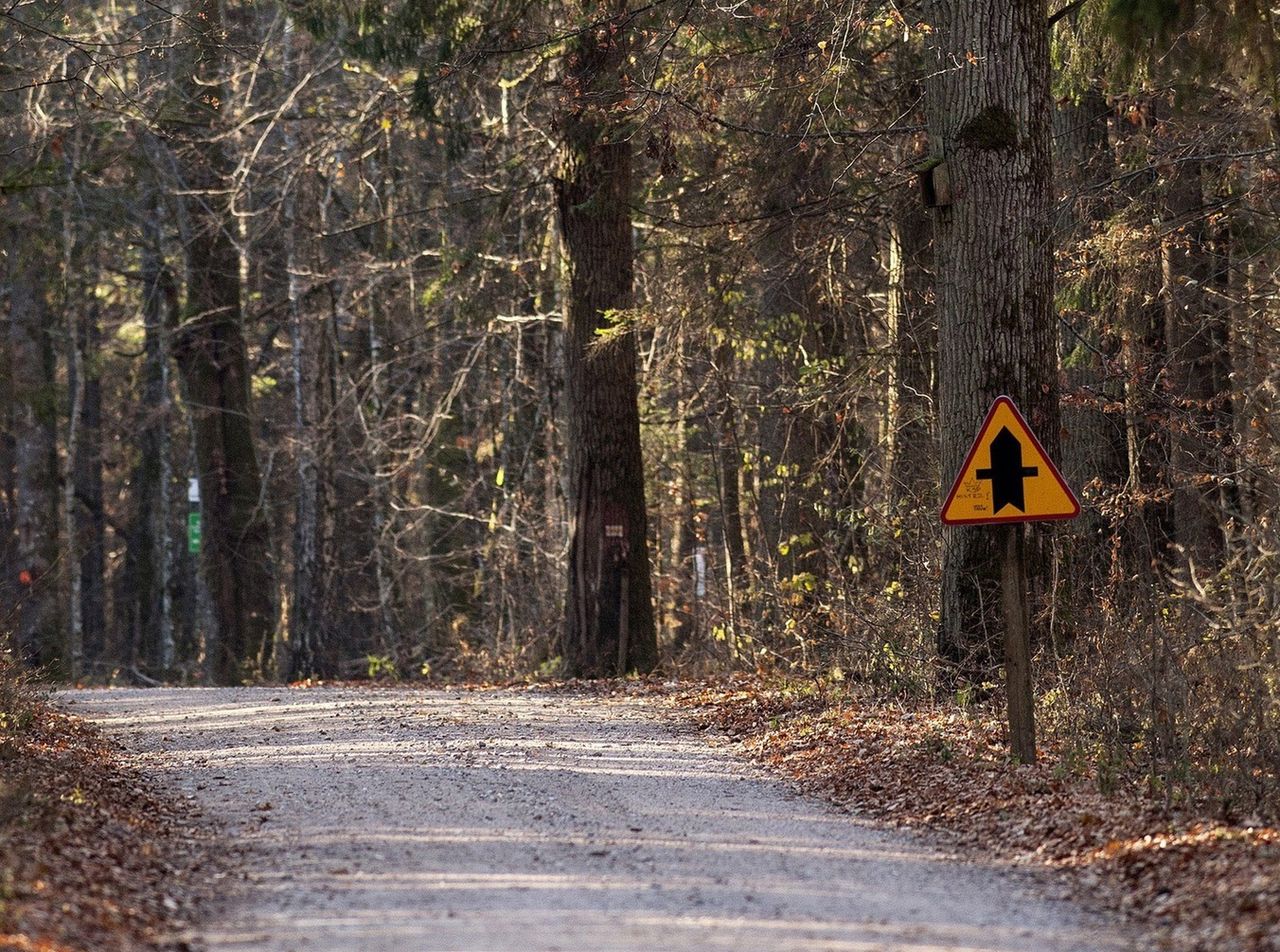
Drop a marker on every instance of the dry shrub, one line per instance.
(1172, 673)
(17, 712)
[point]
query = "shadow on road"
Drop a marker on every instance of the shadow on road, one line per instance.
(453, 820)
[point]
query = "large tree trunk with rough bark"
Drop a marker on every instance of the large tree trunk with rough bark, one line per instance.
(609, 626)
(989, 120)
(210, 349)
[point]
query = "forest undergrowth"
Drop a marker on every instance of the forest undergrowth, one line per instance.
(1201, 880)
(74, 822)
(93, 856)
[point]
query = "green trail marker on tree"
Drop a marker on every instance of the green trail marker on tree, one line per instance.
(193, 533)
(194, 528)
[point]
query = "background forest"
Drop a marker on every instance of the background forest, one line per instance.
(328, 259)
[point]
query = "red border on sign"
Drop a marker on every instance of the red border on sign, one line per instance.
(973, 450)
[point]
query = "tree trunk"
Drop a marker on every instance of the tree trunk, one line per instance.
(356, 629)
(381, 491)
(37, 627)
(909, 437)
(1194, 337)
(1094, 459)
(211, 354)
(989, 121)
(10, 418)
(89, 514)
(910, 434)
(1255, 340)
(728, 470)
(609, 627)
(305, 628)
(796, 328)
(153, 641)
(71, 304)
(1093, 443)
(677, 567)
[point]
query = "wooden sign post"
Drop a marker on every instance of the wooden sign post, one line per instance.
(614, 552)
(1008, 479)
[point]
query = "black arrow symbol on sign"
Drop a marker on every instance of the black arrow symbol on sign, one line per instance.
(1007, 472)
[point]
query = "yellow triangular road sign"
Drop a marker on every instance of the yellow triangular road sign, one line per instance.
(1007, 476)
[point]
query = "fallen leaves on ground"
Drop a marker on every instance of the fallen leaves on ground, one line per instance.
(1202, 883)
(93, 856)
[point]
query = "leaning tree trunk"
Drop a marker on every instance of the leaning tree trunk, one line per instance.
(210, 350)
(609, 626)
(989, 121)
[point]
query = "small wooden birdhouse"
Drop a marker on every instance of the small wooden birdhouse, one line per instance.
(935, 182)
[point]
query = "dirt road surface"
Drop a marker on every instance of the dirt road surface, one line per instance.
(521, 821)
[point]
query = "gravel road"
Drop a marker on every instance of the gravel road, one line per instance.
(518, 821)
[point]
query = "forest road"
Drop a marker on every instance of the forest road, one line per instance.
(430, 820)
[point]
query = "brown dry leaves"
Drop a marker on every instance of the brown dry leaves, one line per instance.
(92, 856)
(1201, 883)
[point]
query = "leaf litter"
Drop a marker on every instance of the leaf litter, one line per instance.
(1194, 881)
(94, 856)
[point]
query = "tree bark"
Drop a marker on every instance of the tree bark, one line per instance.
(989, 119)
(1094, 458)
(89, 513)
(1093, 443)
(37, 628)
(1255, 340)
(1195, 342)
(305, 620)
(909, 436)
(10, 418)
(728, 468)
(74, 353)
(799, 333)
(153, 639)
(609, 626)
(210, 350)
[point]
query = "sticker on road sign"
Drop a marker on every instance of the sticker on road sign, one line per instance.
(1007, 476)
